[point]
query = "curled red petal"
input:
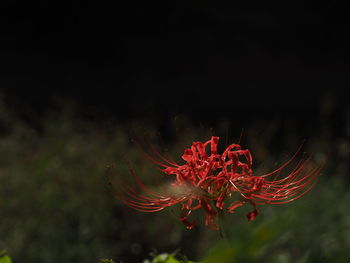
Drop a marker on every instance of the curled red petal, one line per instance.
(232, 207)
(252, 215)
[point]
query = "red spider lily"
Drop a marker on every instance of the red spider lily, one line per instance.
(207, 180)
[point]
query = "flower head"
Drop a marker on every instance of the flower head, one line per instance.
(206, 180)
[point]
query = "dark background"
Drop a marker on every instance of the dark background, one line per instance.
(202, 59)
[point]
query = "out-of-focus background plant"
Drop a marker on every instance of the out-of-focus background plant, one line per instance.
(4, 258)
(56, 205)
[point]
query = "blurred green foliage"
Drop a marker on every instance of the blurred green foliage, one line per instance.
(166, 258)
(4, 258)
(56, 206)
(54, 199)
(106, 261)
(157, 258)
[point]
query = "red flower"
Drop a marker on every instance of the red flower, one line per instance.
(207, 180)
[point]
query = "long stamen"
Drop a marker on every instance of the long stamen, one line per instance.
(207, 179)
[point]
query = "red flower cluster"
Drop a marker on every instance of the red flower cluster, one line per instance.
(207, 181)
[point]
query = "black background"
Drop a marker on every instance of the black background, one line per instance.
(202, 59)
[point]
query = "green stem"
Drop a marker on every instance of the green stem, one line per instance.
(222, 231)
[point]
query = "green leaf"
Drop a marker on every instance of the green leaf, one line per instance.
(171, 259)
(222, 254)
(5, 259)
(164, 258)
